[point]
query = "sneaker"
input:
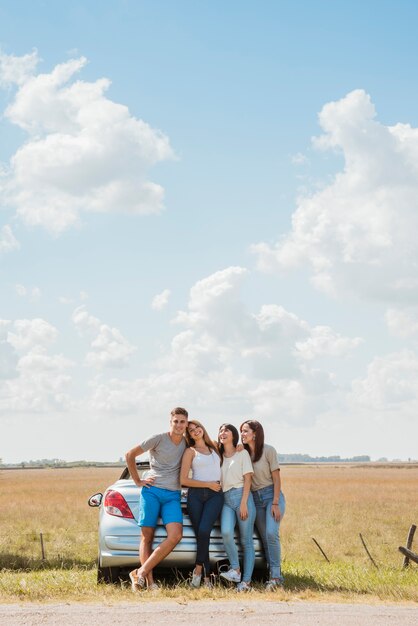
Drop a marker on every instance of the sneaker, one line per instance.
(137, 582)
(195, 582)
(231, 575)
(207, 584)
(275, 583)
(243, 586)
(153, 587)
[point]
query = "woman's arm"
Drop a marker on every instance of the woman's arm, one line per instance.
(243, 509)
(275, 509)
(186, 464)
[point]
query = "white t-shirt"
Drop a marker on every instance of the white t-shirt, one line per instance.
(233, 470)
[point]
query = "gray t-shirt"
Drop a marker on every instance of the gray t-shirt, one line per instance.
(165, 460)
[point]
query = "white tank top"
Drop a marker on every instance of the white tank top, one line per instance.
(206, 467)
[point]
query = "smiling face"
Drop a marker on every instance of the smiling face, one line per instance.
(195, 431)
(228, 435)
(178, 425)
(225, 435)
(247, 434)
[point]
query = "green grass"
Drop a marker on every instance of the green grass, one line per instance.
(309, 581)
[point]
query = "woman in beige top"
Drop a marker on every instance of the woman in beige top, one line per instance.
(268, 498)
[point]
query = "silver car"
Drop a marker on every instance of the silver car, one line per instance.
(119, 533)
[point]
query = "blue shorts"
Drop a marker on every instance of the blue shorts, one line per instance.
(155, 502)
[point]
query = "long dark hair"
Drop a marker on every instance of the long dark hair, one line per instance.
(190, 442)
(235, 439)
(259, 439)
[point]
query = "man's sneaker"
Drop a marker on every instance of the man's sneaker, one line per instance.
(243, 586)
(137, 582)
(195, 582)
(231, 575)
(274, 584)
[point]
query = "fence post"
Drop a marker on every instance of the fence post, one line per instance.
(317, 544)
(409, 544)
(41, 535)
(367, 551)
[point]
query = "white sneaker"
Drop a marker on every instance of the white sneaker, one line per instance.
(196, 579)
(231, 575)
(243, 586)
(272, 585)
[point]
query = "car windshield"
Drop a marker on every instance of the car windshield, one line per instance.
(142, 467)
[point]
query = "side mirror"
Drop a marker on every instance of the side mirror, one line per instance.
(95, 500)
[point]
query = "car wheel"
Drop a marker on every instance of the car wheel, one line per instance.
(107, 574)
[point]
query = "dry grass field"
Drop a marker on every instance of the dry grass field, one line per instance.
(331, 503)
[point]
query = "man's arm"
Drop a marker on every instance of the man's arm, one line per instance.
(131, 463)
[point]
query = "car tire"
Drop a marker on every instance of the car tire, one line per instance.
(107, 575)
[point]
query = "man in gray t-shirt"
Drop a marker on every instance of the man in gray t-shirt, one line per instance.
(160, 495)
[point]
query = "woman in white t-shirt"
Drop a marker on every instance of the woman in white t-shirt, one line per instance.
(268, 497)
(238, 506)
(204, 496)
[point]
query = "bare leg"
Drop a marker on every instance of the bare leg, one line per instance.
(174, 534)
(145, 549)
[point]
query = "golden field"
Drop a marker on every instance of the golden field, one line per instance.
(331, 503)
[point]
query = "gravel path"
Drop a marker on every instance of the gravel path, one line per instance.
(205, 612)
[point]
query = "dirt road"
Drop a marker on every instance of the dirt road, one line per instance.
(202, 613)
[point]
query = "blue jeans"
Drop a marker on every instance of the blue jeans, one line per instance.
(269, 528)
(229, 517)
(203, 506)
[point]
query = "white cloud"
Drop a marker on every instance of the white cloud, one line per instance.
(33, 293)
(358, 233)
(30, 333)
(84, 152)
(299, 159)
(402, 322)
(32, 379)
(325, 341)
(391, 382)
(8, 241)
(41, 384)
(17, 70)
(65, 300)
(226, 356)
(110, 349)
(160, 301)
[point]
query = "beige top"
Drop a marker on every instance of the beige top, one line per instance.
(233, 470)
(267, 463)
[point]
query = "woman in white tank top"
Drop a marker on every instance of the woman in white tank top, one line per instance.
(204, 497)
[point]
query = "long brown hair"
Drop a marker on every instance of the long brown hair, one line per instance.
(259, 439)
(190, 442)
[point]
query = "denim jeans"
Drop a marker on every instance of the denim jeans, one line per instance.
(229, 517)
(204, 507)
(269, 528)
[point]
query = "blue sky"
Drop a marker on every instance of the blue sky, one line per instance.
(212, 205)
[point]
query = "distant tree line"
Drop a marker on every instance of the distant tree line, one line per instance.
(306, 458)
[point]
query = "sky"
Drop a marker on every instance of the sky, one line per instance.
(211, 205)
